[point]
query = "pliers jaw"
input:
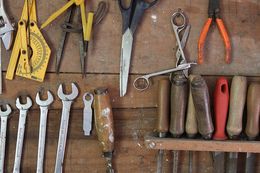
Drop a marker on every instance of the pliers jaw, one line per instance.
(6, 29)
(214, 10)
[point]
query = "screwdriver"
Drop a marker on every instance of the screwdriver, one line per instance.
(191, 127)
(200, 95)
(252, 123)
(235, 117)
(104, 125)
(221, 100)
(179, 96)
(163, 116)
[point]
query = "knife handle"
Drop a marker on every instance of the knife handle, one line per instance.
(179, 96)
(253, 111)
(163, 106)
(221, 99)
(236, 106)
(200, 95)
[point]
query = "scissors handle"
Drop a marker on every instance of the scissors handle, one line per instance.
(141, 83)
(132, 14)
(175, 16)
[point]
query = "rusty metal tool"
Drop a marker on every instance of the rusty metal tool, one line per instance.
(235, 117)
(201, 100)
(4, 115)
(191, 127)
(179, 97)
(221, 102)
(6, 35)
(87, 113)
(67, 100)
(20, 134)
(252, 123)
(44, 105)
(163, 117)
(214, 15)
(104, 125)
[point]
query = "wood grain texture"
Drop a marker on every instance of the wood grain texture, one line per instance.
(135, 115)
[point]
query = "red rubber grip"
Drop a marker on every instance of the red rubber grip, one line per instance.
(221, 100)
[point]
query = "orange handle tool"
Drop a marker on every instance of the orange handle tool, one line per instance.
(226, 39)
(221, 100)
(202, 40)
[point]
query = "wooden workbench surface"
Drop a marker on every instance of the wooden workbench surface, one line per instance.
(135, 114)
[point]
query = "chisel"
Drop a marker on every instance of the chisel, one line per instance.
(191, 127)
(235, 117)
(252, 124)
(104, 125)
(221, 101)
(163, 117)
(179, 94)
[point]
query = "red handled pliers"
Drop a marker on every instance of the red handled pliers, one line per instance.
(214, 14)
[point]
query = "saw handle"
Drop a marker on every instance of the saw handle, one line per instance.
(163, 107)
(221, 100)
(104, 119)
(253, 111)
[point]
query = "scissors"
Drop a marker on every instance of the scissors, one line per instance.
(131, 17)
(178, 28)
(143, 82)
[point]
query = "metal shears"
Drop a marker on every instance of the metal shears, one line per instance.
(131, 16)
(179, 24)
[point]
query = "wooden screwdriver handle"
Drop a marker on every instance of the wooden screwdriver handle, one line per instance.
(253, 111)
(200, 95)
(191, 126)
(163, 106)
(179, 94)
(237, 101)
(104, 119)
(221, 100)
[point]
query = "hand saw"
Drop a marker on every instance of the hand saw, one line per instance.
(30, 48)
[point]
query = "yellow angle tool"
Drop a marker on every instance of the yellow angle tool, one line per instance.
(30, 48)
(87, 26)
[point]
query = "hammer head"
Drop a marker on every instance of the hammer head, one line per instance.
(44, 103)
(24, 106)
(68, 97)
(7, 112)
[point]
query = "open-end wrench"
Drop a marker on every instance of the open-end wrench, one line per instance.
(66, 104)
(87, 113)
(44, 105)
(21, 128)
(4, 116)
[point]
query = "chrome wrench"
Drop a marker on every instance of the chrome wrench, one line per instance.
(21, 128)
(44, 105)
(87, 113)
(66, 104)
(4, 117)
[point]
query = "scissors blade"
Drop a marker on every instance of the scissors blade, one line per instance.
(126, 50)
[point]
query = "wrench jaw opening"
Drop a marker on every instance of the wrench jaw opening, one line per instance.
(68, 97)
(24, 106)
(6, 112)
(44, 103)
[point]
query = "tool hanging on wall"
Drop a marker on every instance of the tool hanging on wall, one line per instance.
(84, 28)
(30, 50)
(131, 17)
(6, 35)
(214, 15)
